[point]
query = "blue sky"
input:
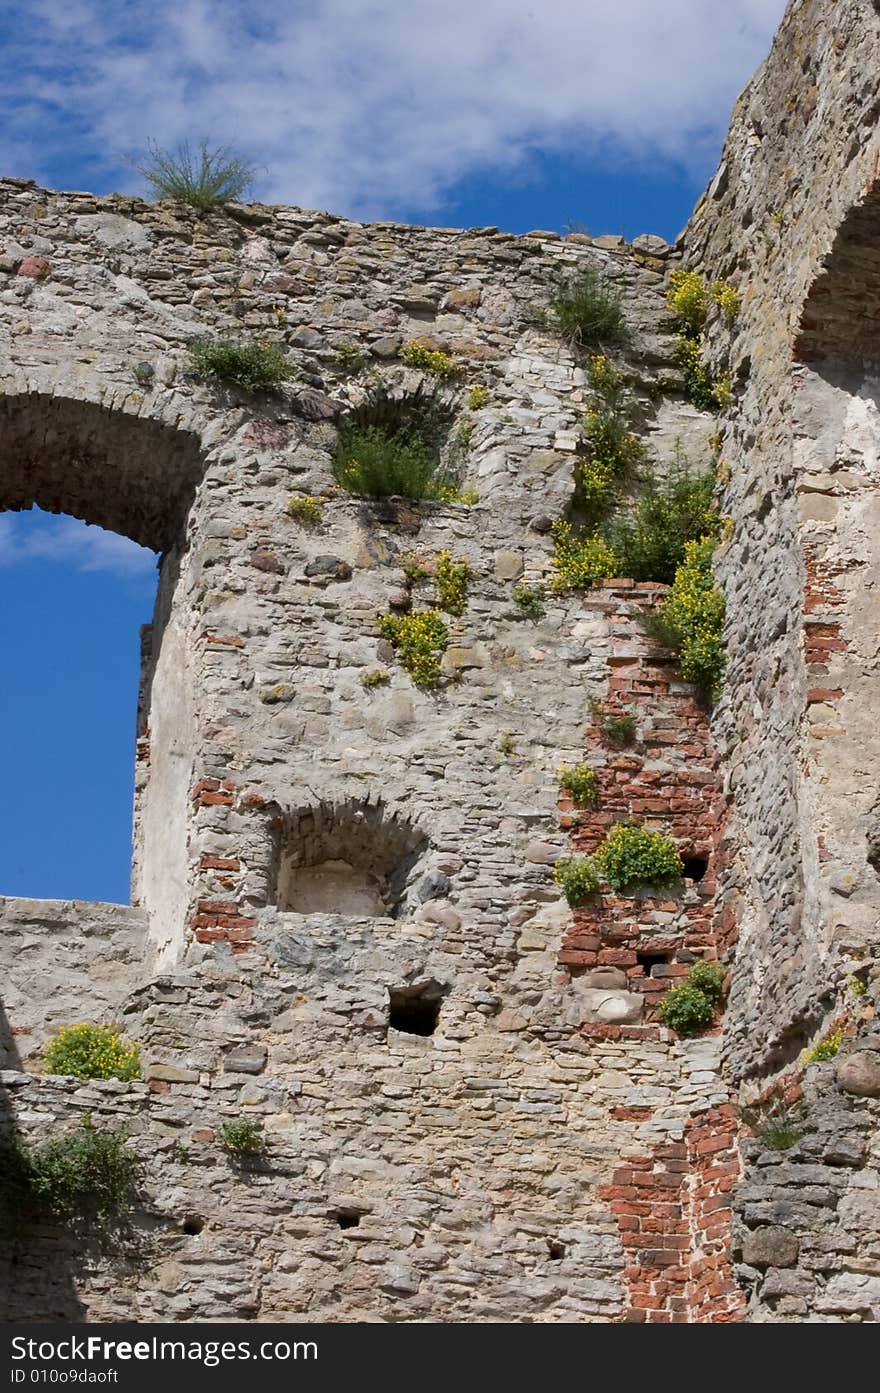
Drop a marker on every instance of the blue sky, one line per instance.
(599, 114)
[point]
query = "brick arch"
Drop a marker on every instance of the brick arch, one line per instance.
(132, 474)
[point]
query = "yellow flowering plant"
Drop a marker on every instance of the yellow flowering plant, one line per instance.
(420, 640)
(91, 1052)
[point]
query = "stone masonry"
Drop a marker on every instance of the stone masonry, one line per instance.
(318, 863)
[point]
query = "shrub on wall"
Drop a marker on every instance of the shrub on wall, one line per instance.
(390, 446)
(305, 509)
(257, 367)
(585, 309)
(691, 618)
(576, 876)
(689, 298)
(650, 542)
(205, 179)
(579, 561)
(452, 579)
(632, 855)
(241, 1139)
(582, 783)
(91, 1052)
(377, 463)
(529, 599)
(690, 1005)
(431, 360)
(84, 1176)
(420, 639)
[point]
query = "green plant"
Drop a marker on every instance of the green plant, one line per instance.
(826, 1048)
(399, 447)
(91, 1052)
(582, 783)
(619, 729)
(688, 299)
(414, 569)
(727, 298)
(685, 1009)
(205, 179)
(691, 618)
(304, 509)
(374, 677)
(434, 361)
(420, 639)
(257, 367)
(463, 433)
(477, 397)
(856, 986)
(614, 451)
(774, 1123)
(650, 543)
(378, 464)
(506, 744)
(86, 1176)
(631, 855)
(241, 1139)
(690, 1005)
(576, 876)
(452, 583)
(700, 388)
(529, 599)
(580, 561)
(708, 977)
(586, 310)
(349, 358)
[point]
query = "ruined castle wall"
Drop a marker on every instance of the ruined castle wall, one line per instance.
(469, 1173)
(791, 218)
(549, 1153)
(802, 151)
(59, 959)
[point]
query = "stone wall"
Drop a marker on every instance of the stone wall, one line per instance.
(59, 958)
(791, 219)
(344, 924)
(470, 1174)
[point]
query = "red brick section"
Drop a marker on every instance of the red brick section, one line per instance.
(218, 916)
(673, 1212)
(668, 779)
(672, 1206)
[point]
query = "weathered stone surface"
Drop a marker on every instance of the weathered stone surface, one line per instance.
(331, 566)
(345, 890)
(859, 1073)
(771, 1247)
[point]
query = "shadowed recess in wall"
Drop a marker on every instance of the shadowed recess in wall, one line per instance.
(348, 858)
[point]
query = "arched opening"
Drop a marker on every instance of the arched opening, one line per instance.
(353, 858)
(73, 599)
(135, 477)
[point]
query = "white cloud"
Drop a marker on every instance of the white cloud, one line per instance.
(374, 107)
(38, 536)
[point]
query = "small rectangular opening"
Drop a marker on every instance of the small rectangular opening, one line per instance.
(413, 1012)
(649, 958)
